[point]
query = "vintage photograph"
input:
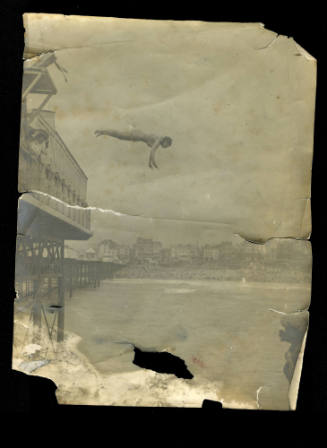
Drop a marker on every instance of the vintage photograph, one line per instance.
(165, 211)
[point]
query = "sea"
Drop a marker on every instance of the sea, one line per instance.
(224, 331)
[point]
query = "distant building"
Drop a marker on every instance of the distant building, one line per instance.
(211, 253)
(124, 253)
(145, 249)
(165, 255)
(184, 252)
(108, 250)
(90, 254)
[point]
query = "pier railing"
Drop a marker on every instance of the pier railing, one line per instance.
(46, 165)
(40, 275)
(86, 273)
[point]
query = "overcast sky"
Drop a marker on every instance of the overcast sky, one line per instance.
(126, 229)
(221, 101)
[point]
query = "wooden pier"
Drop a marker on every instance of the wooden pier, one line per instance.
(54, 210)
(86, 273)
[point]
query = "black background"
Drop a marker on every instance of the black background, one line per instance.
(305, 23)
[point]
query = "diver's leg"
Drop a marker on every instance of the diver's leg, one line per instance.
(133, 135)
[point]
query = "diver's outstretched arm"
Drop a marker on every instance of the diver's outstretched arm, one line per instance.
(152, 162)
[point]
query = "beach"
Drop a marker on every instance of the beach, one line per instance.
(227, 333)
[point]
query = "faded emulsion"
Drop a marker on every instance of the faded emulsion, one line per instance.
(148, 168)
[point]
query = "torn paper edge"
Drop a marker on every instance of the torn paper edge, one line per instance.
(297, 373)
(295, 383)
(29, 194)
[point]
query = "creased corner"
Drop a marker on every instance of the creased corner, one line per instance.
(304, 53)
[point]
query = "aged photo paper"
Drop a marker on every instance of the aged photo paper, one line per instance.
(163, 254)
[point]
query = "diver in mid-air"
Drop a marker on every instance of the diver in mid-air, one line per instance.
(153, 141)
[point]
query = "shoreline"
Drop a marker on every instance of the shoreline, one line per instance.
(208, 282)
(190, 272)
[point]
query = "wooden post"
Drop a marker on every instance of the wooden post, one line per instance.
(71, 273)
(80, 274)
(49, 286)
(61, 295)
(36, 312)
